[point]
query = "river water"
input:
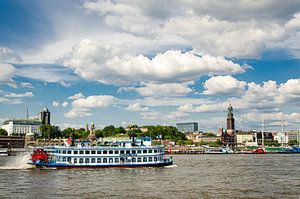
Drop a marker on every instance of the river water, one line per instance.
(193, 176)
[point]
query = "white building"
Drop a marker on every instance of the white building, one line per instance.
(282, 138)
(22, 126)
(244, 138)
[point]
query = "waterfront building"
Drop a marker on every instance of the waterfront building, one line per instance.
(27, 126)
(187, 127)
(293, 135)
(244, 138)
(22, 126)
(281, 138)
(229, 136)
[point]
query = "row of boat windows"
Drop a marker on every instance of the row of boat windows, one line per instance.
(110, 160)
(87, 152)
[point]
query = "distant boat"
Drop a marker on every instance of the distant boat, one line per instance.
(222, 150)
(4, 152)
(260, 151)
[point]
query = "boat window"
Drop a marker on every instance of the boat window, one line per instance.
(64, 159)
(116, 160)
(58, 151)
(160, 158)
(150, 159)
(110, 160)
(155, 150)
(122, 159)
(69, 159)
(128, 160)
(93, 152)
(75, 152)
(155, 159)
(104, 152)
(93, 160)
(116, 152)
(75, 160)
(98, 160)
(127, 152)
(133, 159)
(69, 152)
(139, 151)
(87, 160)
(81, 160)
(149, 151)
(98, 152)
(80, 152)
(139, 159)
(144, 151)
(133, 152)
(87, 152)
(104, 160)
(110, 152)
(64, 151)
(121, 152)
(144, 159)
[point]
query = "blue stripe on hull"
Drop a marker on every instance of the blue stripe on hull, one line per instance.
(102, 166)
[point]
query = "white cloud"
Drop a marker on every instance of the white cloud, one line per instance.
(65, 84)
(105, 64)
(136, 107)
(78, 112)
(77, 96)
(8, 55)
(7, 72)
(154, 115)
(214, 107)
(19, 95)
(65, 104)
(48, 73)
(224, 85)
(94, 101)
(55, 104)
(161, 90)
(82, 107)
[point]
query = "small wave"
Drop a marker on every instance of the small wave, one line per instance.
(19, 162)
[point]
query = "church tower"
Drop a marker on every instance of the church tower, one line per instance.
(230, 121)
(45, 116)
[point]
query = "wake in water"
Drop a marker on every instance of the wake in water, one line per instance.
(171, 166)
(18, 162)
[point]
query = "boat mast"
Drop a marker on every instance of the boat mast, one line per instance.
(262, 131)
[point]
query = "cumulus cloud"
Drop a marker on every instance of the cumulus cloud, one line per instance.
(77, 96)
(154, 115)
(7, 72)
(136, 107)
(19, 95)
(8, 55)
(55, 104)
(81, 107)
(65, 104)
(104, 64)
(160, 90)
(210, 27)
(223, 85)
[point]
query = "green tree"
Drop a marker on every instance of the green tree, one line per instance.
(293, 142)
(3, 132)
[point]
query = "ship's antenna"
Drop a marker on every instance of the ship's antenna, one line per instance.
(27, 114)
(262, 130)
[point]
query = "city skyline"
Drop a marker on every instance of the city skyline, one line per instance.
(152, 62)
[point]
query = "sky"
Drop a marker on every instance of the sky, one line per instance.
(152, 62)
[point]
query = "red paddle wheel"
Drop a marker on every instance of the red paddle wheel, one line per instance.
(39, 154)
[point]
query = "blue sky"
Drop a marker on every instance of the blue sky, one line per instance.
(151, 62)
